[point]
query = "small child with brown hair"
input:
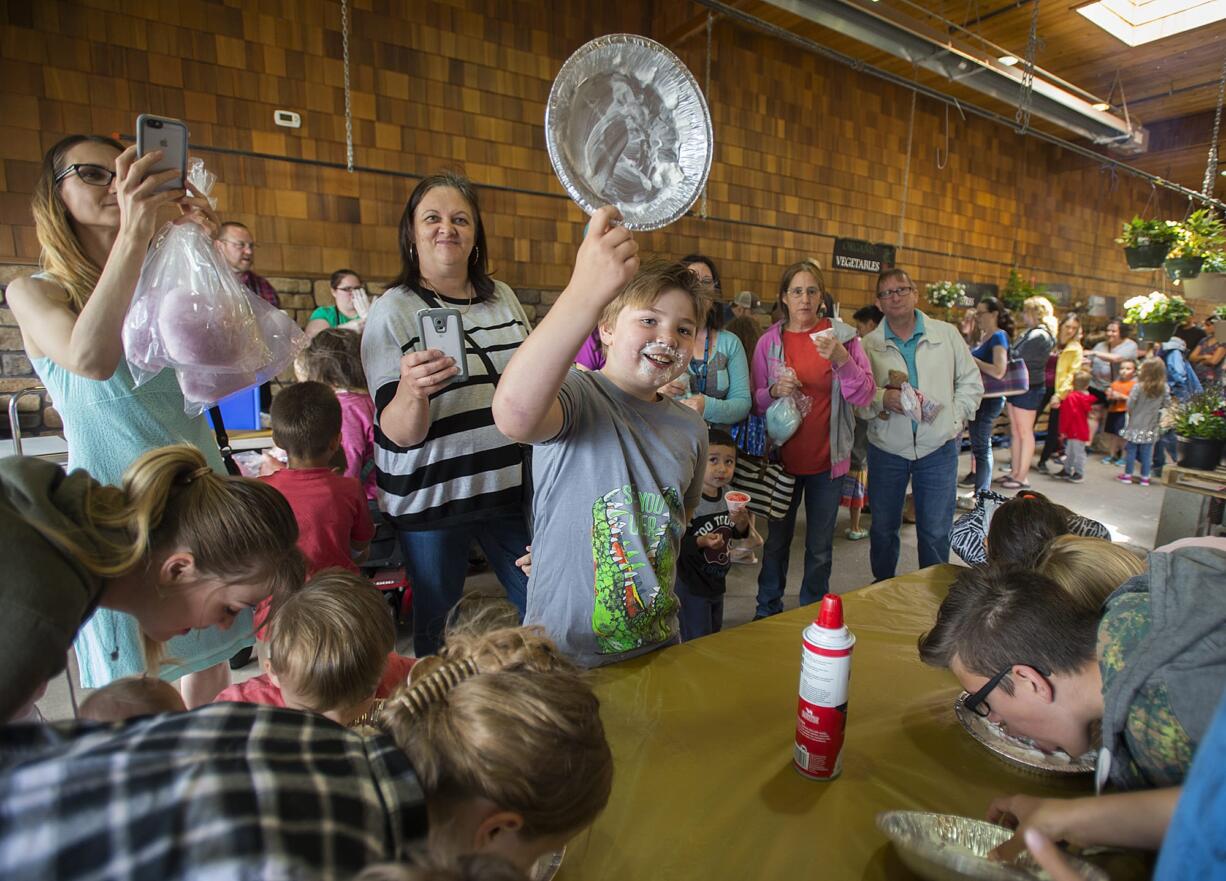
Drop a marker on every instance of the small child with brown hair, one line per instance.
(330, 650)
(334, 358)
(1075, 427)
(334, 524)
(130, 698)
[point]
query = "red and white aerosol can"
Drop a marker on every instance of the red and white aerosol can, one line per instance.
(825, 673)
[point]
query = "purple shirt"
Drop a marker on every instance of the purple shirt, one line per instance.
(591, 353)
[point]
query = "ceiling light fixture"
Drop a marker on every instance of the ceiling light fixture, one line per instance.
(1136, 22)
(1101, 105)
(1008, 60)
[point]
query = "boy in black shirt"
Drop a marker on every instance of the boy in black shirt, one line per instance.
(704, 560)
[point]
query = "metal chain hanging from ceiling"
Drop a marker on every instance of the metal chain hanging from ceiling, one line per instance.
(1032, 46)
(1211, 164)
(348, 100)
(707, 94)
(906, 177)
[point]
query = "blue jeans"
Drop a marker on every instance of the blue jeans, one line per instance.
(1167, 445)
(1144, 453)
(934, 482)
(821, 497)
(981, 440)
(436, 561)
(699, 615)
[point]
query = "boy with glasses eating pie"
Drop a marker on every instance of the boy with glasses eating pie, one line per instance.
(1145, 673)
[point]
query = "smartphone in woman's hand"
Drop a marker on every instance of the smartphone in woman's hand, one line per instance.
(169, 136)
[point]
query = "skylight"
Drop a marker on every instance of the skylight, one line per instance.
(1142, 21)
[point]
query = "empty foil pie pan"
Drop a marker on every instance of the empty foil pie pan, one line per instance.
(944, 847)
(627, 125)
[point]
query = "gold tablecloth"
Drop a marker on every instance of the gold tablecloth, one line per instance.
(702, 740)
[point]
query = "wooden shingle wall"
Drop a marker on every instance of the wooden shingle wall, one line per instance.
(805, 149)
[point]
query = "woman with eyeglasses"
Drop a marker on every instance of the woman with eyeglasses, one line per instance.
(350, 308)
(813, 353)
(717, 385)
(96, 208)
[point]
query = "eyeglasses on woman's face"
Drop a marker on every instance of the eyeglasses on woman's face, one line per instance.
(94, 175)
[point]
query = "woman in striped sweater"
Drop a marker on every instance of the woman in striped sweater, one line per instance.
(446, 475)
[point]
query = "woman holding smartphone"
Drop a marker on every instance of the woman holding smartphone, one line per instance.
(446, 474)
(96, 210)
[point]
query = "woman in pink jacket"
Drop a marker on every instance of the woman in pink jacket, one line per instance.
(811, 353)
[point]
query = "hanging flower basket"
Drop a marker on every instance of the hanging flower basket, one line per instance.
(1206, 286)
(1199, 452)
(1182, 267)
(1158, 332)
(1147, 256)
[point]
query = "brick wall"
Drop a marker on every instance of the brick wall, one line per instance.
(806, 149)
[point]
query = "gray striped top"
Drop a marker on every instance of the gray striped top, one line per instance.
(465, 468)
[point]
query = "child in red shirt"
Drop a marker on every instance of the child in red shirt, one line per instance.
(330, 650)
(334, 523)
(1075, 427)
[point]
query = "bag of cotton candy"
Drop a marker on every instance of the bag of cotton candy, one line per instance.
(192, 315)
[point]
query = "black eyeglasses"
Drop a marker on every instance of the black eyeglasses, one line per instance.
(94, 175)
(895, 292)
(977, 703)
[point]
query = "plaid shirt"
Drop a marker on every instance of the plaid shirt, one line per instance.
(259, 286)
(234, 791)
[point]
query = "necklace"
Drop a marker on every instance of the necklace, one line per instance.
(449, 300)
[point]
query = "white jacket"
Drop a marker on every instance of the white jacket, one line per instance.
(947, 375)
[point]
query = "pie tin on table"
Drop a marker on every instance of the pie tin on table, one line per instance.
(1018, 752)
(547, 866)
(627, 125)
(945, 847)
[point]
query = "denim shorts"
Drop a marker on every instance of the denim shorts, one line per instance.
(1029, 400)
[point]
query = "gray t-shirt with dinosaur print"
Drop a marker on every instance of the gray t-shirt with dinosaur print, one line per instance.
(610, 496)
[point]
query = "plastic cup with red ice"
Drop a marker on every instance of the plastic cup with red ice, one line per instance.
(736, 500)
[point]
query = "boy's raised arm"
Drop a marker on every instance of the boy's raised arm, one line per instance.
(526, 406)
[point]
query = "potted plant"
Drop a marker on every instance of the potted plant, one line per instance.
(1198, 236)
(1210, 284)
(1200, 428)
(1156, 315)
(947, 295)
(1017, 291)
(1146, 242)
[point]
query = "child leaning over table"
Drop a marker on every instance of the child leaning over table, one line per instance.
(705, 561)
(330, 650)
(618, 468)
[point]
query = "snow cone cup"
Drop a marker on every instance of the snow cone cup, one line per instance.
(736, 500)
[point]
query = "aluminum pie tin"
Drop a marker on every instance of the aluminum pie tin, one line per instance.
(1017, 751)
(945, 847)
(547, 866)
(627, 125)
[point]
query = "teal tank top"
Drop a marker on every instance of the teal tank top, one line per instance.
(109, 424)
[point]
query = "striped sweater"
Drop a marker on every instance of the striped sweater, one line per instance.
(465, 468)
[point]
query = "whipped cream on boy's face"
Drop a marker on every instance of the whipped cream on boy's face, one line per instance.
(648, 347)
(661, 363)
